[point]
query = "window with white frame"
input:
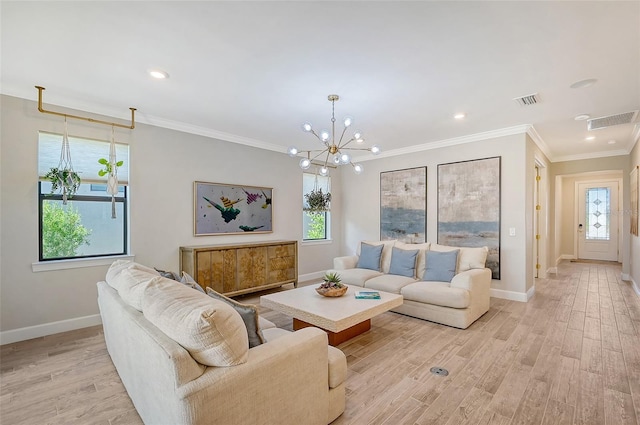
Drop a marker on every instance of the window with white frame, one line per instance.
(85, 226)
(315, 222)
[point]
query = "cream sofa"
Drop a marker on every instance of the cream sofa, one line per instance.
(457, 303)
(292, 378)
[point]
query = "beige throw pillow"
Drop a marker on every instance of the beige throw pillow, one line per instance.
(211, 330)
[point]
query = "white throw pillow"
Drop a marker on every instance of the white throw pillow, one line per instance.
(468, 258)
(131, 283)
(119, 265)
(210, 330)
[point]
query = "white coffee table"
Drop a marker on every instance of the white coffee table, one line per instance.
(341, 317)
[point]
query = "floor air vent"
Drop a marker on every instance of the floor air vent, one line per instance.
(611, 120)
(530, 99)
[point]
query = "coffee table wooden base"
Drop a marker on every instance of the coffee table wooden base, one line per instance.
(337, 338)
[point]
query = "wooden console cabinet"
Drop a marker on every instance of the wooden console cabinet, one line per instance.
(240, 268)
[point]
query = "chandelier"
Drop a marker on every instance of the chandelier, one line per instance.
(334, 148)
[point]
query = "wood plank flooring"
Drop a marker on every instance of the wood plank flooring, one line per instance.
(571, 355)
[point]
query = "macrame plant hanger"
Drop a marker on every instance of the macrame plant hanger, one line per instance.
(112, 178)
(65, 166)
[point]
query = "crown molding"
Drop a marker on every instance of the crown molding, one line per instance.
(477, 137)
(542, 145)
(592, 155)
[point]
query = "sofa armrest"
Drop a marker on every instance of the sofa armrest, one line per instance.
(344, 263)
(290, 373)
(473, 280)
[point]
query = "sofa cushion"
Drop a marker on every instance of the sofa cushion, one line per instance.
(385, 260)
(370, 256)
(210, 330)
(403, 262)
(441, 266)
(437, 293)
(131, 285)
(389, 283)
(265, 324)
(468, 258)
(355, 277)
(119, 266)
(249, 314)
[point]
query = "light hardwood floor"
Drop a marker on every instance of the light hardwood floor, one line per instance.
(571, 355)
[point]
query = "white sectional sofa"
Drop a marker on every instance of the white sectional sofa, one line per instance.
(458, 302)
(184, 357)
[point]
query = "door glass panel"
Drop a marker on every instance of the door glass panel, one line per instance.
(598, 213)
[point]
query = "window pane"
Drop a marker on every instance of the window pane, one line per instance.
(598, 210)
(84, 227)
(314, 225)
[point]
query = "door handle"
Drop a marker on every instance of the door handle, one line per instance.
(580, 227)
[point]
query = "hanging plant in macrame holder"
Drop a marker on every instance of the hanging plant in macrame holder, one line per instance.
(316, 200)
(62, 177)
(111, 171)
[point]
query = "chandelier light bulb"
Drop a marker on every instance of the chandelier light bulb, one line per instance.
(375, 149)
(305, 163)
(357, 168)
(292, 151)
(324, 135)
(358, 136)
(324, 171)
(347, 121)
(336, 160)
(345, 158)
(306, 127)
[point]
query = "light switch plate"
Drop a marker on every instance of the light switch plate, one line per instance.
(512, 231)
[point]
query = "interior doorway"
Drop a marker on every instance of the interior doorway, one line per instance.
(597, 233)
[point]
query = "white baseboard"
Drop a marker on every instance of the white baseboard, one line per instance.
(30, 332)
(565, 257)
(509, 295)
(625, 276)
(531, 292)
(635, 286)
(310, 276)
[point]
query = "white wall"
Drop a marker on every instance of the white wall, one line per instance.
(164, 165)
(361, 202)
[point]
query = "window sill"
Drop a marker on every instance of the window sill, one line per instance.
(317, 242)
(77, 263)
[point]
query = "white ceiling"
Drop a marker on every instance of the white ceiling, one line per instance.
(252, 72)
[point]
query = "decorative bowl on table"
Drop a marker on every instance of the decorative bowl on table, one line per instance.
(331, 286)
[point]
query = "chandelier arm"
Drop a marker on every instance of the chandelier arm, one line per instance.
(315, 157)
(344, 130)
(326, 161)
(350, 140)
(356, 149)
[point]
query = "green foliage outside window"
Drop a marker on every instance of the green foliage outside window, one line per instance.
(62, 231)
(316, 229)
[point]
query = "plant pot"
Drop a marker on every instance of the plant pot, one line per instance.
(332, 292)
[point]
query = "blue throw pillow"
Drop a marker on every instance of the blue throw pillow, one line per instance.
(370, 256)
(441, 266)
(403, 262)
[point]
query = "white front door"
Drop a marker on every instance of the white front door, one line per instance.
(598, 221)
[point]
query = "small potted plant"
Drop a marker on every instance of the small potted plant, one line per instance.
(332, 286)
(317, 201)
(107, 166)
(64, 179)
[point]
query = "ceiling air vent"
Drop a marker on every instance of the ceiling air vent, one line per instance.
(604, 122)
(530, 99)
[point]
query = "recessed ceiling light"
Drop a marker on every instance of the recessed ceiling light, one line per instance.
(159, 74)
(590, 138)
(459, 116)
(611, 142)
(583, 83)
(582, 117)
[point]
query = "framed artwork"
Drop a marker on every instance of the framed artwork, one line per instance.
(403, 205)
(634, 187)
(222, 209)
(469, 207)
